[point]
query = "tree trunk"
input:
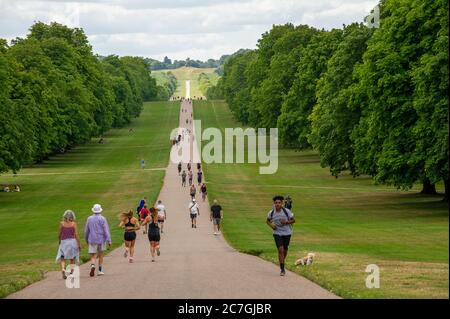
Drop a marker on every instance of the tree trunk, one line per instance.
(447, 186)
(428, 188)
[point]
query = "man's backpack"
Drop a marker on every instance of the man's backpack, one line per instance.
(288, 204)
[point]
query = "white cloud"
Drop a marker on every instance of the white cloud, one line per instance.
(199, 29)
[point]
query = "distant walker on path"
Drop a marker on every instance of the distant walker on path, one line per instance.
(183, 179)
(162, 215)
(216, 216)
(194, 211)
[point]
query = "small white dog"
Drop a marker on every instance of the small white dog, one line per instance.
(308, 260)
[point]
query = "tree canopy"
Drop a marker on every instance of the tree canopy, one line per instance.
(55, 93)
(370, 101)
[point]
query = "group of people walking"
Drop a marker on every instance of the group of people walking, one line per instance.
(151, 219)
(193, 206)
(98, 237)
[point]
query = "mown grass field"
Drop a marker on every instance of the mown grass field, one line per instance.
(188, 73)
(160, 77)
(109, 174)
(348, 222)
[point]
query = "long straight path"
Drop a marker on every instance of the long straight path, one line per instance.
(194, 263)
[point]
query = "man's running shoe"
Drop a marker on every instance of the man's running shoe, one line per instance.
(92, 273)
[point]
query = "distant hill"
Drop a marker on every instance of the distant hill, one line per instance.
(210, 63)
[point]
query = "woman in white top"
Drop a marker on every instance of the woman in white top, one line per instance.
(161, 215)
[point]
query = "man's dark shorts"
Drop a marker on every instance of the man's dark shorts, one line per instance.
(282, 240)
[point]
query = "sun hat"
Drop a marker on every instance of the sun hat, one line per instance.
(97, 209)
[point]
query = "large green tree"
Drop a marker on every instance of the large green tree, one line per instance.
(339, 103)
(55, 93)
(293, 123)
(390, 143)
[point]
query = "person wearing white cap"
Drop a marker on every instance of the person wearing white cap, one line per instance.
(194, 210)
(97, 236)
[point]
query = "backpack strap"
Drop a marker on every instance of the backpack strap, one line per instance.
(285, 212)
(271, 214)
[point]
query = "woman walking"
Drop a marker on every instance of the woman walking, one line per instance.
(69, 243)
(192, 191)
(190, 175)
(183, 179)
(203, 191)
(153, 232)
(130, 224)
(199, 177)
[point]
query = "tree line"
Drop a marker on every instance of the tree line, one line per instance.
(166, 85)
(55, 93)
(371, 101)
(167, 63)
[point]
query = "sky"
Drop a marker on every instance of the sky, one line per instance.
(198, 29)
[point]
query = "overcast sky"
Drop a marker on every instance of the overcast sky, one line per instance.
(199, 29)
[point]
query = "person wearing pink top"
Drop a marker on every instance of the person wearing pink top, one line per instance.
(69, 243)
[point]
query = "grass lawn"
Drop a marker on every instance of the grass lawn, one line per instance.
(188, 73)
(160, 77)
(348, 222)
(109, 174)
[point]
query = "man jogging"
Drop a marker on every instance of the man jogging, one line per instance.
(280, 220)
(194, 211)
(97, 235)
(216, 216)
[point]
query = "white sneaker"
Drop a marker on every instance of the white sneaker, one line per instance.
(100, 273)
(215, 233)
